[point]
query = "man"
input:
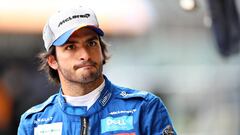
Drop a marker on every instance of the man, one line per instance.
(87, 102)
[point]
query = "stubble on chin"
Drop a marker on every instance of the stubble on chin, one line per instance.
(91, 77)
(85, 77)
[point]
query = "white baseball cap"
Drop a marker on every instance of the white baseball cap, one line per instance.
(63, 23)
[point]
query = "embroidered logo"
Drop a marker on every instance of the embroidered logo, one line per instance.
(42, 120)
(105, 99)
(119, 123)
(49, 129)
(168, 130)
(123, 112)
(73, 17)
(123, 93)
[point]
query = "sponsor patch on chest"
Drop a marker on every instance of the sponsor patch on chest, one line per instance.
(123, 123)
(49, 129)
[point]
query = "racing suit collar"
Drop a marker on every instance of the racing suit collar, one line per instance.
(82, 111)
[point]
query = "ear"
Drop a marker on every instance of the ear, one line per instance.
(52, 62)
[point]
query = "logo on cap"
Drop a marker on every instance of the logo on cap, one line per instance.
(73, 17)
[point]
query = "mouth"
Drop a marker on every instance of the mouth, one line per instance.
(87, 66)
(84, 65)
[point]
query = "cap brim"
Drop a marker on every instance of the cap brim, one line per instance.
(64, 37)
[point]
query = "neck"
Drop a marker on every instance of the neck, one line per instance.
(80, 89)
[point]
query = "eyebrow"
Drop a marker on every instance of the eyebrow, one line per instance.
(92, 38)
(87, 40)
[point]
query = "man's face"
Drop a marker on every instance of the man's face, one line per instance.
(80, 58)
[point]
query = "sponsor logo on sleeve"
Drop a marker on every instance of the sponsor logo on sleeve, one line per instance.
(168, 130)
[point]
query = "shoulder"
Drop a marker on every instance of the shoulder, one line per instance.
(147, 100)
(127, 93)
(39, 107)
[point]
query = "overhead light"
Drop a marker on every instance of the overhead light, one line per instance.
(188, 5)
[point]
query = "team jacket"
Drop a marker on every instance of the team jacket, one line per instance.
(118, 111)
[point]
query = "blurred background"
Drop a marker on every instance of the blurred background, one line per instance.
(185, 51)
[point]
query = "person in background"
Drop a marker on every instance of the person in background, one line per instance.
(6, 111)
(87, 102)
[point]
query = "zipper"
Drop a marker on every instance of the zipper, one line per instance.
(84, 126)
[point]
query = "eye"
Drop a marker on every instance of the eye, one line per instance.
(70, 47)
(92, 43)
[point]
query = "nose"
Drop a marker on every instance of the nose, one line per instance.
(84, 54)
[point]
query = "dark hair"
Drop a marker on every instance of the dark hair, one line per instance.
(52, 73)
